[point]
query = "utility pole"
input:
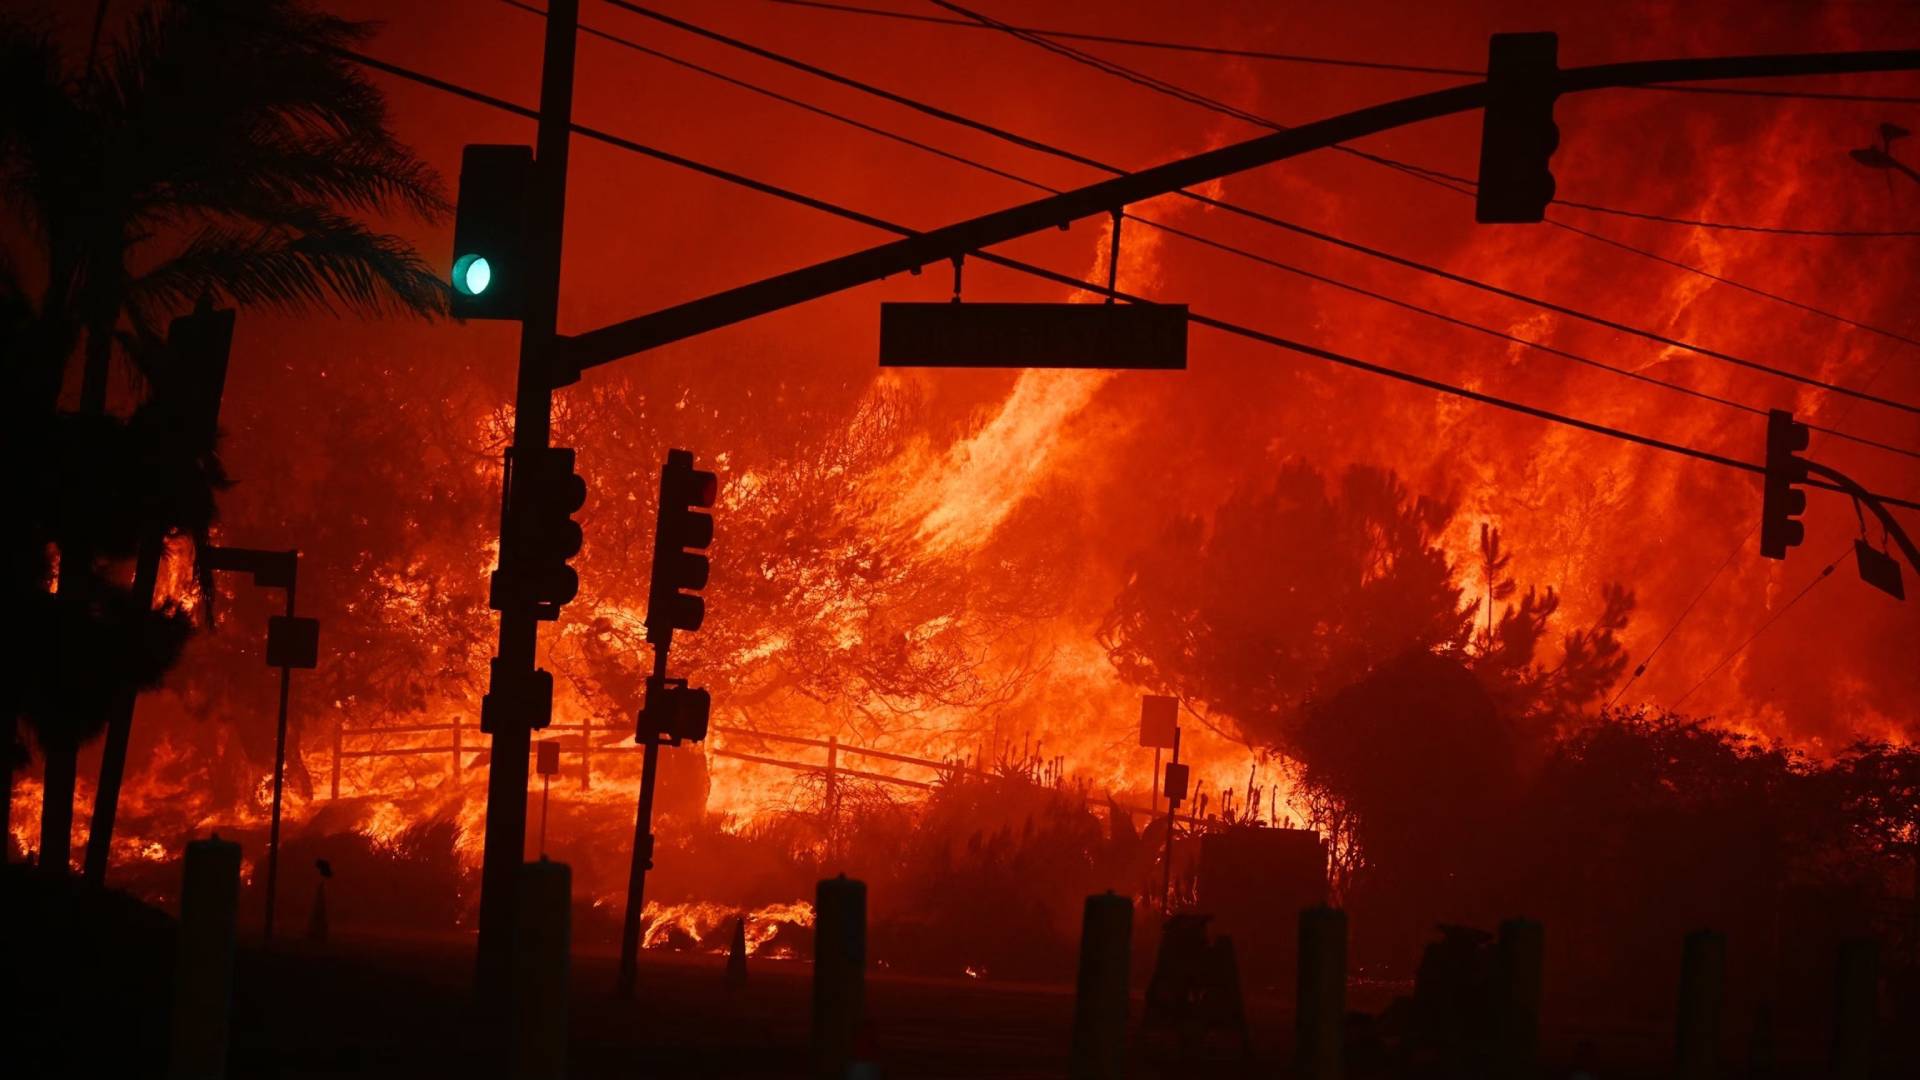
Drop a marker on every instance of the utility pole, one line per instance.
(513, 719)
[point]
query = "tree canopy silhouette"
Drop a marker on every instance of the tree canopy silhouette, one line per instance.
(218, 150)
(1294, 590)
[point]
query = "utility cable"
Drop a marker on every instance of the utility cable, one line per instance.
(1196, 318)
(1825, 572)
(1204, 240)
(1192, 97)
(1300, 58)
(1460, 185)
(1324, 237)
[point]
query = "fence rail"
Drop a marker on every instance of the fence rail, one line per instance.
(832, 768)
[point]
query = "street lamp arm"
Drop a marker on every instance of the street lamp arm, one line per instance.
(712, 312)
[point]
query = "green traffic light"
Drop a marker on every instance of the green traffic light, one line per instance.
(472, 274)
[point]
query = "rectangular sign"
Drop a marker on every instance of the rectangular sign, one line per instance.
(1174, 787)
(547, 757)
(1879, 570)
(293, 641)
(1159, 716)
(270, 569)
(1131, 337)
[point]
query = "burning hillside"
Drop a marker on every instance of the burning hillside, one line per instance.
(941, 580)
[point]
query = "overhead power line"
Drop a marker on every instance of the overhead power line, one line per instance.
(1170, 46)
(1734, 226)
(1196, 318)
(1437, 176)
(1034, 144)
(1825, 573)
(1701, 271)
(1412, 264)
(1450, 182)
(1192, 97)
(1302, 58)
(1641, 668)
(1204, 240)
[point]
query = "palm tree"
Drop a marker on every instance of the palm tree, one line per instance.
(221, 149)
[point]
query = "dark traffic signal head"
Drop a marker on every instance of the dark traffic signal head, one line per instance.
(489, 261)
(685, 493)
(543, 496)
(516, 697)
(1517, 134)
(674, 712)
(1780, 501)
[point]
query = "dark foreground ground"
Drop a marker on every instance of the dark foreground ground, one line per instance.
(89, 997)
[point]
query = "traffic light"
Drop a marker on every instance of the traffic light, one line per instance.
(544, 495)
(685, 492)
(674, 712)
(1780, 501)
(515, 696)
(1517, 134)
(489, 256)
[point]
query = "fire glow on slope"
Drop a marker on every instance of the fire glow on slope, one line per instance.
(397, 554)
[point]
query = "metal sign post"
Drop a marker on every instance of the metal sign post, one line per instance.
(547, 765)
(292, 642)
(1176, 789)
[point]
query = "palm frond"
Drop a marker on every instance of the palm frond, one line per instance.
(226, 95)
(330, 259)
(367, 172)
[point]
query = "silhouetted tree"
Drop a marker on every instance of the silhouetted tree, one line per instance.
(1325, 622)
(1293, 591)
(221, 149)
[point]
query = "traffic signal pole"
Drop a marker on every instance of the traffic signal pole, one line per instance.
(506, 823)
(642, 841)
(673, 711)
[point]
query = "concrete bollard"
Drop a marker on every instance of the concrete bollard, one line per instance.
(1763, 1050)
(839, 973)
(203, 972)
(1856, 1008)
(1703, 968)
(541, 940)
(1100, 995)
(737, 957)
(317, 919)
(1320, 1006)
(1520, 957)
